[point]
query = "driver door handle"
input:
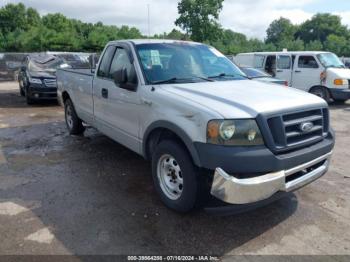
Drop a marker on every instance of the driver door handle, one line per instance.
(297, 71)
(104, 93)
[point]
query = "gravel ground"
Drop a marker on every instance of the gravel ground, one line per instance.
(89, 195)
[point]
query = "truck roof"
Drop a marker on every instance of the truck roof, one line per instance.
(153, 41)
(288, 52)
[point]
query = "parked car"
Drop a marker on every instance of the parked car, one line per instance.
(10, 64)
(210, 133)
(320, 73)
(37, 77)
(260, 75)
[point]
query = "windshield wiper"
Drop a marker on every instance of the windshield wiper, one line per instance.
(178, 79)
(204, 78)
(255, 77)
(222, 75)
(168, 81)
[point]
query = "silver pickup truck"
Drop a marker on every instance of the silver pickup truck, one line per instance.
(212, 135)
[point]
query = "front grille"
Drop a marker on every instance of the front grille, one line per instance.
(50, 82)
(287, 131)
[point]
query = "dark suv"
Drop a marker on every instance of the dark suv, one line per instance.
(37, 77)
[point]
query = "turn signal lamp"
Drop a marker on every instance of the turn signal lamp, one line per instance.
(340, 82)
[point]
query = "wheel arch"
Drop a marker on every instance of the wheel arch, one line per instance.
(315, 86)
(65, 96)
(160, 130)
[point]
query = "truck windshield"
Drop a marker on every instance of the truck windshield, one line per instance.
(185, 62)
(330, 60)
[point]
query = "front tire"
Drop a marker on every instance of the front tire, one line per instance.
(22, 93)
(175, 176)
(321, 92)
(29, 100)
(21, 90)
(340, 101)
(73, 122)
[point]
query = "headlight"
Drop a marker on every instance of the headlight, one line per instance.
(227, 130)
(340, 82)
(234, 133)
(35, 80)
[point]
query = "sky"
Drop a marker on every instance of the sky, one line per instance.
(251, 17)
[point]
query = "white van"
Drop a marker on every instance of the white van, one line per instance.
(320, 73)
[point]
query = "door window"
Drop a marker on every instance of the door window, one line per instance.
(283, 62)
(259, 61)
(270, 65)
(105, 64)
(307, 62)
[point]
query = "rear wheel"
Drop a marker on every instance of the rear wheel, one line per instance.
(175, 176)
(73, 122)
(322, 92)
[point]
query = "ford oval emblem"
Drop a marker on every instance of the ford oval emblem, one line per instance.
(306, 127)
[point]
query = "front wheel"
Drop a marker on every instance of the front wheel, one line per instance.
(21, 88)
(340, 101)
(175, 176)
(22, 93)
(73, 122)
(322, 92)
(29, 100)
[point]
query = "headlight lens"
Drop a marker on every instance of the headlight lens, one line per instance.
(35, 80)
(227, 130)
(234, 132)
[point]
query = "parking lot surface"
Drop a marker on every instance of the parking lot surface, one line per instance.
(61, 194)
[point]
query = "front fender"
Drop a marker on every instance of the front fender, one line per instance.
(178, 131)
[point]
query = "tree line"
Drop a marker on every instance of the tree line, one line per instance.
(22, 29)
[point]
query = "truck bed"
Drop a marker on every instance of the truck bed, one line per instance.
(82, 71)
(78, 83)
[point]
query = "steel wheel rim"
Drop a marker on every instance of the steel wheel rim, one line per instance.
(170, 177)
(69, 117)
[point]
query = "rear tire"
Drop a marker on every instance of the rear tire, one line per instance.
(175, 176)
(322, 92)
(73, 122)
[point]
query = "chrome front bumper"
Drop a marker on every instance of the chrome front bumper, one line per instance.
(244, 191)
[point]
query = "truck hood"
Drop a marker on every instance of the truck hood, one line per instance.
(340, 72)
(244, 98)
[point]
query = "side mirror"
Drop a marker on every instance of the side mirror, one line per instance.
(120, 77)
(123, 80)
(23, 68)
(93, 62)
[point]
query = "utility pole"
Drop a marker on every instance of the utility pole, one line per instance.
(149, 21)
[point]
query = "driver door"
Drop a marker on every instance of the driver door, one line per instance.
(117, 109)
(284, 68)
